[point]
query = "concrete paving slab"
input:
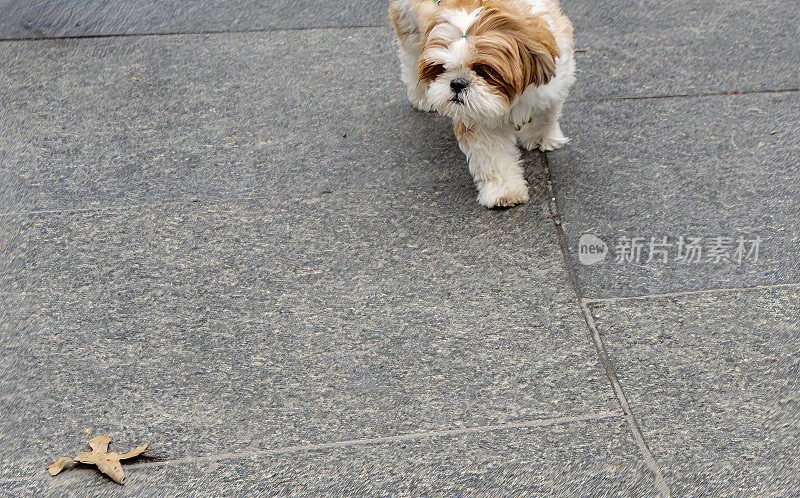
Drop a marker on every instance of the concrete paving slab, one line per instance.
(592, 458)
(218, 327)
(723, 166)
(653, 47)
(72, 18)
(128, 121)
(355, 270)
(131, 121)
(714, 379)
(643, 48)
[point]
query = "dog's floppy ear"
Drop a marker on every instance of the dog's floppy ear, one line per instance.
(428, 68)
(518, 45)
(539, 51)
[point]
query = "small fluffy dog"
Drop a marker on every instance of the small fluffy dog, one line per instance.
(501, 69)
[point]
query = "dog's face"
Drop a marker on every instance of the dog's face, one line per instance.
(479, 55)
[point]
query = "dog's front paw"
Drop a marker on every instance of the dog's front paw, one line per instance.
(553, 141)
(544, 139)
(503, 194)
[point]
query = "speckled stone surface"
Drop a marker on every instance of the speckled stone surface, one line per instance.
(716, 382)
(653, 47)
(53, 18)
(645, 48)
(114, 122)
(254, 324)
(233, 243)
(579, 459)
(722, 166)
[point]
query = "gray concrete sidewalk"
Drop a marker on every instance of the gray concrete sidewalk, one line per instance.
(225, 231)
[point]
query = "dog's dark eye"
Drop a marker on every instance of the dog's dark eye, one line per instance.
(481, 71)
(428, 71)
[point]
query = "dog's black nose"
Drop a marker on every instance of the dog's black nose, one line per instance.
(458, 85)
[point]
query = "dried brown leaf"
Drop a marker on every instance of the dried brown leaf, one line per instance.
(112, 468)
(134, 452)
(58, 465)
(99, 444)
(107, 463)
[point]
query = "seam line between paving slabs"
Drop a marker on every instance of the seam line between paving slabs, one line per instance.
(649, 460)
(733, 93)
(188, 33)
(599, 300)
(386, 439)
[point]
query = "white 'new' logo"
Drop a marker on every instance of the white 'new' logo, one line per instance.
(591, 249)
